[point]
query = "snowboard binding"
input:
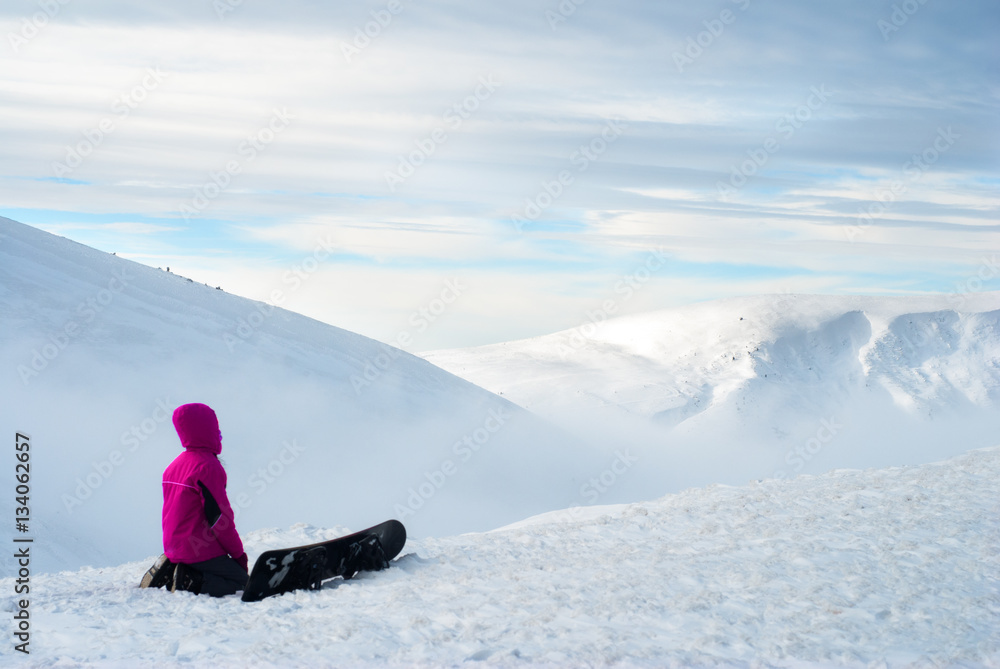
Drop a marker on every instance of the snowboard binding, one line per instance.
(309, 574)
(364, 555)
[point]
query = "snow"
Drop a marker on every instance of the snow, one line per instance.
(780, 480)
(672, 365)
(892, 567)
(773, 385)
(319, 425)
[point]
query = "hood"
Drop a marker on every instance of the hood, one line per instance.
(198, 428)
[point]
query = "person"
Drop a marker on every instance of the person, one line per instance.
(202, 551)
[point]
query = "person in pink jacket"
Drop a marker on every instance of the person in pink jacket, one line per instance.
(200, 541)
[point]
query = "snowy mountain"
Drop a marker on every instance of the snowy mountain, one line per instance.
(767, 386)
(319, 425)
(325, 430)
(893, 567)
(326, 427)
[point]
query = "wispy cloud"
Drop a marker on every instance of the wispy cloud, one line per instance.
(752, 160)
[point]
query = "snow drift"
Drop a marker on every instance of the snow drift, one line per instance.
(892, 567)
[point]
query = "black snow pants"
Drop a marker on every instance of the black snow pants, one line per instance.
(221, 576)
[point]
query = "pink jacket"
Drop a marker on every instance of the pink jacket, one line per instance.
(198, 521)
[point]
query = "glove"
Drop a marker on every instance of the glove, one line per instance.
(243, 562)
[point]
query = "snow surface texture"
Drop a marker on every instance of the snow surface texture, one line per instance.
(893, 567)
(319, 425)
(766, 386)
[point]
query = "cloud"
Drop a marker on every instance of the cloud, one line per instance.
(806, 112)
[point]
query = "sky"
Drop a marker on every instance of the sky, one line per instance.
(439, 174)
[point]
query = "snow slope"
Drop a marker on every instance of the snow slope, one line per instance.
(889, 568)
(319, 425)
(896, 566)
(770, 385)
(329, 428)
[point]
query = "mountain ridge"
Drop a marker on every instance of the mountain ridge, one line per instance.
(319, 424)
(755, 384)
(778, 330)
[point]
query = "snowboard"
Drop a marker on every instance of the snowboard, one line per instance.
(306, 567)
